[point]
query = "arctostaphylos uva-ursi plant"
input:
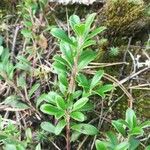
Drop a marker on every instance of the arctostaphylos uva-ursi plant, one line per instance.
(69, 102)
(129, 134)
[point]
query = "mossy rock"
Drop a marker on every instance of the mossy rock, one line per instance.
(124, 16)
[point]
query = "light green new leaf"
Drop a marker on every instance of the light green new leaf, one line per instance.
(85, 129)
(100, 145)
(131, 118)
(60, 34)
(47, 126)
(78, 116)
(86, 57)
(80, 103)
(97, 77)
(79, 29)
(136, 131)
(59, 127)
(74, 20)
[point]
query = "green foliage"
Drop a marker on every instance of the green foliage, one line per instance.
(10, 136)
(68, 104)
(129, 129)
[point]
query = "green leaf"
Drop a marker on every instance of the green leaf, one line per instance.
(131, 118)
(60, 103)
(95, 32)
(79, 29)
(86, 57)
(119, 127)
(83, 82)
(74, 20)
(78, 116)
(67, 52)
(61, 124)
(33, 89)
(97, 77)
(147, 148)
(49, 109)
(28, 134)
(136, 131)
(15, 102)
(74, 136)
(103, 89)
(3, 137)
(85, 129)
(89, 21)
(63, 82)
(61, 60)
(60, 34)
(26, 33)
(133, 143)
(47, 126)
(122, 146)
(58, 67)
(88, 43)
(112, 138)
(145, 124)
(1, 50)
(51, 97)
(80, 103)
(87, 107)
(38, 147)
(100, 145)
(59, 114)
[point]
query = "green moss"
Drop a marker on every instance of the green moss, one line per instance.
(120, 14)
